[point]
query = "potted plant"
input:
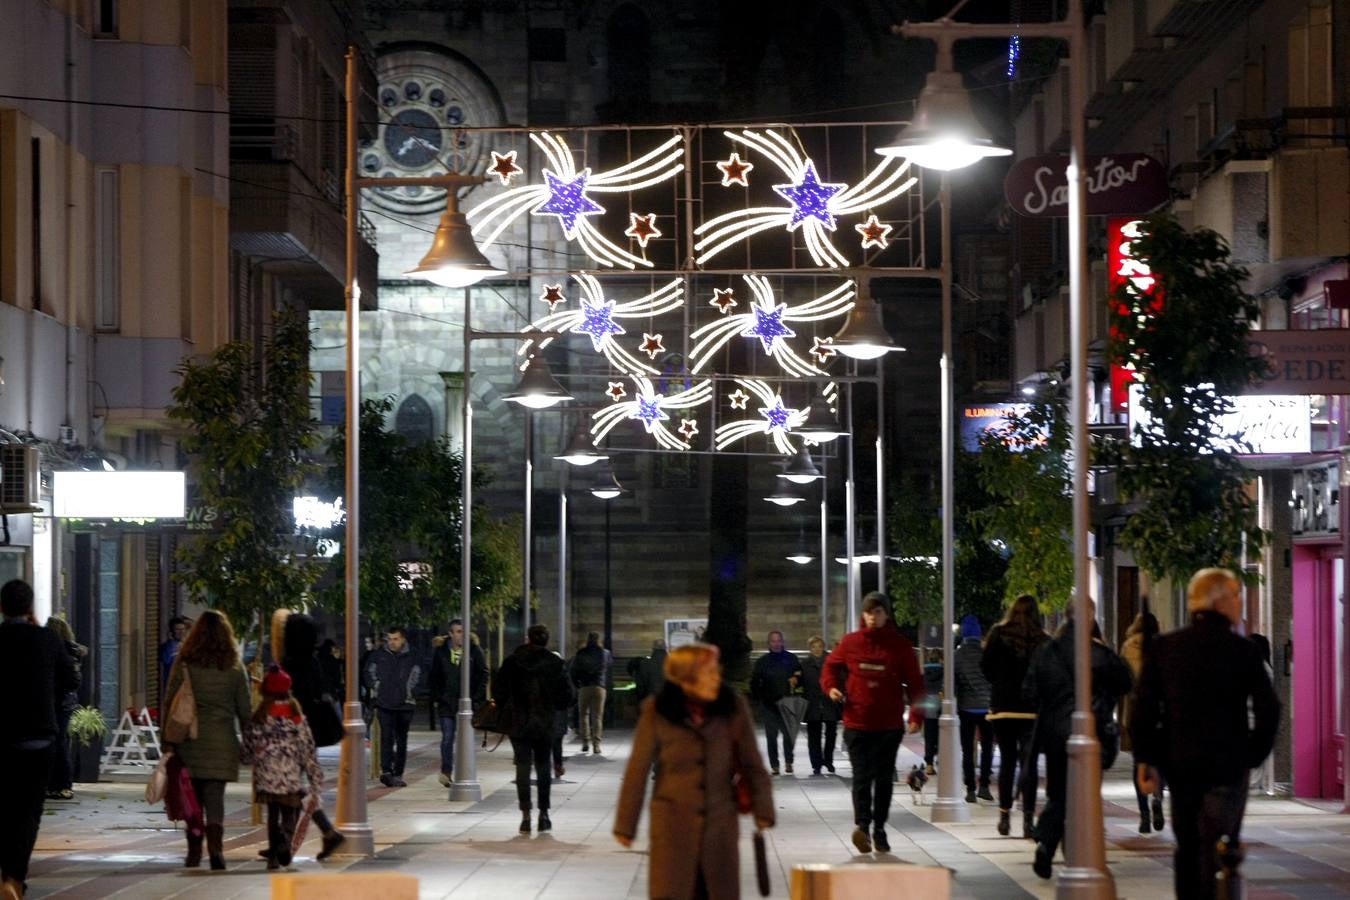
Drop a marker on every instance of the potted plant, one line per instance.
(87, 730)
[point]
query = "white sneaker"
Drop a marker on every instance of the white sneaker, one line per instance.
(444, 780)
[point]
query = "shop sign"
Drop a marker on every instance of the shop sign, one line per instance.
(1302, 362)
(119, 495)
(1117, 185)
(1265, 424)
(1126, 271)
(990, 418)
(684, 631)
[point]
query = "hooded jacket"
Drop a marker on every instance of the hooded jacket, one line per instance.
(534, 682)
(875, 668)
(392, 678)
(972, 688)
(1007, 656)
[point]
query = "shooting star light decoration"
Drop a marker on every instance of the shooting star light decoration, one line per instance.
(566, 192)
(813, 206)
(766, 319)
(774, 420)
(651, 409)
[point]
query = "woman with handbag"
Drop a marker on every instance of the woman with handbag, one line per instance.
(701, 739)
(209, 675)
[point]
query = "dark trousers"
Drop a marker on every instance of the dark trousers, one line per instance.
(930, 739)
(1142, 799)
(537, 754)
(872, 754)
(1200, 816)
(773, 727)
(972, 722)
(557, 752)
(281, 822)
(23, 782)
(821, 757)
(394, 725)
(1050, 826)
(448, 726)
(61, 774)
(1016, 764)
(211, 795)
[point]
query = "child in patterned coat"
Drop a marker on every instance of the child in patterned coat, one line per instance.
(286, 773)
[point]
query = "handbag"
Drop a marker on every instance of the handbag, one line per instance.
(158, 785)
(496, 718)
(745, 805)
(325, 723)
(181, 724)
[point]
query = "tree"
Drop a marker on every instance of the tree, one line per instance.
(248, 432)
(1186, 338)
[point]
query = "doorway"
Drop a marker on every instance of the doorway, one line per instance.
(1319, 651)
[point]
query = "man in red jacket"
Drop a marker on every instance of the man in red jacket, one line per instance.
(870, 671)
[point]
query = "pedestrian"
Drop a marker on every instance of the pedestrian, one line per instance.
(37, 672)
(1050, 684)
(648, 672)
(334, 674)
(700, 737)
(777, 674)
(1008, 650)
(392, 674)
(822, 713)
(532, 682)
(209, 659)
(931, 704)
(560, 724)
(168, 651)
(972, 709)
(590, 674)
(447, 671)
(1138, 641)
(872, 672)
(61, 782)
(1205, 715)
(279, 745)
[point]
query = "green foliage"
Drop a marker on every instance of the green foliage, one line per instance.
(248, 431)
(87, 725)
(1189, 350)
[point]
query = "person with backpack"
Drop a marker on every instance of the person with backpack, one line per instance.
(590, 674)
(533, 684)
(972, 706)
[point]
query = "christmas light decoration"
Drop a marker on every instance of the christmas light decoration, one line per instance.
(874, 233)
(775, 419)
(651, 345)
(553, 295)
(688, 428)
(738, 398)
(616, 391)
(642, 228)
(766, 320)
(504, 166)
(566, 194)
(813, 205)
(821, 350)
(650, 408)
(735, 170)
(723, 300)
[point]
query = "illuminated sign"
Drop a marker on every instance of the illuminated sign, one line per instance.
(119, 495)
(990, 418)
(1129, 272)
(1119, 184)
(1270, 424)
(311, 512)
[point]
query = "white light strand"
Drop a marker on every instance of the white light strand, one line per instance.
(764, 317)
(649, 407)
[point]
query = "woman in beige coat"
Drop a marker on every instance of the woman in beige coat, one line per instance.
(699, 735)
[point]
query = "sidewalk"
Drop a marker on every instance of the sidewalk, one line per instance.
(111, 843)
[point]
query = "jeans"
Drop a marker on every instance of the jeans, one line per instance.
(930, 739)
(394, 725)
(537, 754)
(61, 774)
(591, 702)
(818, 757)
(448, 724)
(1050, 826)
(1015, 760)
(873, 756)
(23, 783)
(971, 722)
(1200, 816)
(773, 727)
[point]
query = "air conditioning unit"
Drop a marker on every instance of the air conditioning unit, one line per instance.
(20, 479)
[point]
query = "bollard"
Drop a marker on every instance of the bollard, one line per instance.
(1230, 855)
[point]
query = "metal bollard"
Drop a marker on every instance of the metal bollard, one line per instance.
(1230, 855)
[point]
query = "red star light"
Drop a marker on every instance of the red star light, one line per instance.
(822, 350)
(688, 428)
(724, 299)
(642, 228)
(616, 391)
(734, 171)
(553, 295)
(504, 166)
(874, 233)
(738, 398)
(651, 345)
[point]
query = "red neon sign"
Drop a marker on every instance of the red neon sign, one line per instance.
(1131, 273)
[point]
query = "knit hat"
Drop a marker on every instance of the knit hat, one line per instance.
(276, 682)
(970, 627)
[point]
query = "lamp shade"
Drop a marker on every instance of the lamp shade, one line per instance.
(863, 336)
(580, 451)
(606, 485)
(944, 135)
(785, 496)
(822, 425)
(537, 388)
(800, 469)
(454, 260)
(800, 557)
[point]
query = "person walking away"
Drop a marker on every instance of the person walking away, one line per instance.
(533, 683)
(776, 675)
(330, 663)
(560, 717)
(931, 704)
(1191, 725)
(38, 672)
(1050, 683)
(168, 651)
(392, 673)
(700, 737)
(871, 672)
(61, 782)
(822, 713)
(647, 671)
(209, 659)
(1008, 650)
(972, 708)
(280, 746)
(588, 674)
(447, 668)
(1138, 639)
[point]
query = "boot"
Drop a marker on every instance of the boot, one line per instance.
(525, 822)
(1004, 826)
(1029, 825)
(215, 846)
(1157, 814)
(1145, 825)
(331, 841)
(194, 854)
(545, 823)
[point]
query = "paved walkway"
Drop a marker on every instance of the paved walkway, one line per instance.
(110, 843)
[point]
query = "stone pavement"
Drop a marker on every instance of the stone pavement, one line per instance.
(110, 843)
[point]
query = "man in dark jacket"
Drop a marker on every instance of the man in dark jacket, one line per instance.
(1204, 715)
(648, 672)
(533, 684)
(36, 659)
(1050, 684)
(590, 674)
(972, 706)
(776, 675)
(447, 667)
(871, 671)
(391, 676)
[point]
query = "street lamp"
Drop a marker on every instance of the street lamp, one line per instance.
(863, 335)
(801, 470)
(537, 388)
(454, 260)
(581, 451)
(607, 487)
(785, 496)
(822, 424)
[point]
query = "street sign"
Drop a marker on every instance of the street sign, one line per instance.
(1117, 185)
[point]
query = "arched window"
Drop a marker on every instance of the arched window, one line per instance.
(415, 421)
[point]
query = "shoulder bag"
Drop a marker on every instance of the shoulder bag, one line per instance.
(181, 725)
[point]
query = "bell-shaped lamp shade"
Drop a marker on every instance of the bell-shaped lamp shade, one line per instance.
(863, 336)
(454, 260)
(580, 450)
(785, 496)
(800, 557)
(800, 469)
(537, 388)
(944, 135)
(606, 485)
(822, 425)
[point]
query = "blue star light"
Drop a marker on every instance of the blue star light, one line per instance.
(777, 415)
(568, 201)
(649, 411)
(769, 327)
(810, 198)
(598, 322)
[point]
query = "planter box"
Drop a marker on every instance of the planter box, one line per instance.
(86, 760)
